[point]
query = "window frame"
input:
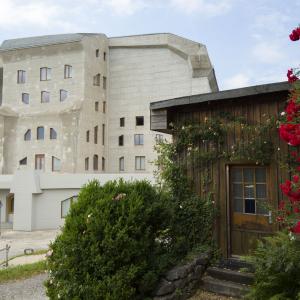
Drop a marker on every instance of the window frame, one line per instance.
(86, 163)
(48, 73)
(122, 122)
(43, 98)
(42, 157)
(63, 95)
(23, 98)
(138, 139)
(53, 164)
(95, 162)
(121, 164)
(21, 76)
(138, 163)
(37, 133)
(138, 120)
(96, 134)
(68, 71)
(53, 134)
(121, 140)
(23, 159)
(71, 200)
(29, 132)
(97, 79)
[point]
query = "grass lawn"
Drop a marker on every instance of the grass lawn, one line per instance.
(202, 295)
(22, 271)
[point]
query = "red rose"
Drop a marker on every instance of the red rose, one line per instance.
(294, 153)
(296, 210)
(291, 77)
(294, 36)
(296, 228)
(281, 205)
(295, 178)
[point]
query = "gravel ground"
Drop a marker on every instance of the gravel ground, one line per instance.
(28, 289)
(202, 295)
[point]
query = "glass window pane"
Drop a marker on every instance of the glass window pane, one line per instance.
(238, 205)
(262, 207)
(249, 191)
(249, 206)
(237, 190)
(261, 191)
(65, 207)
(142, 163)
(260, 175)
(56, 164)
(63, 95)
(237, 175)
(248, 174)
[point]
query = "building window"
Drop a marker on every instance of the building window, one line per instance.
(96, 79)
(140, 162)
(103, 134)
(66, 205)
(45, 74)
(68, 71)
(122, 122)
(53, 134)
(96, 106)
(40, 134)
(121, 140)
(159, 138)
(45, 97)
(27, 135)
(25, 98)
(87, 136)
(139, 139)
(139, 121)
(104, 82)
(40, 162)
(23, 162)
(248, 186)
(104, 107)
(86, 164)
(104, 56)
(21, 76)
(63, 95)
(56, 164)
(121, 163)
(103, 164)
(96, 134)
(95, 162)
(97, 52)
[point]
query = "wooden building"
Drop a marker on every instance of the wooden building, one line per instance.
(239, 185)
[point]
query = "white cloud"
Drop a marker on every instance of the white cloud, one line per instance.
(236, 81)
(268, 53)
(208, 8)
(125, 7)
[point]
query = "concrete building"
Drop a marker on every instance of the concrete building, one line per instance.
(79, 103)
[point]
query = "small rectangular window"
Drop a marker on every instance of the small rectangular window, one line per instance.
(96, 80)
(45, 74)
(140, 163)
(104, 82)
(40, 133)
(121, 140)
(103, 164)
(122, 122)
(86, 163)
(63, 95)
(68, 71)
(25, 98)
(104, 107)
(45, 97)
(56, 164)
(53, 134)
(139, 121)
(40, 162)
(27, 135)
(21, 76)
(121, 163)
(88, 136)
(96, 106)
(95, 162)
(139, 139)
(103, 134)
(104, 56)
(95, 134)
(97, 52)
(66, 206)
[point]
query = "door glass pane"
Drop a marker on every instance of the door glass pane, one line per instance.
(238, 205)
(261, 191)
(248, 174)
(262, 207)
(260, 175)
(237, 175)
(249, 191)
(237, 190)
(249, 206)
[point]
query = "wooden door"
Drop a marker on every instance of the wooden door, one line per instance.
(250, 217)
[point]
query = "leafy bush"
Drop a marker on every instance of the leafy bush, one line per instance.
(277, 268)
(112, 244)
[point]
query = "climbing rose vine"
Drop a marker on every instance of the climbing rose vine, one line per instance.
(289, 131)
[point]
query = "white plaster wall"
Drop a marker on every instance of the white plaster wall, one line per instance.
(3, 195)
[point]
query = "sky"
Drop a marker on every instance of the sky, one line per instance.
(247, 40)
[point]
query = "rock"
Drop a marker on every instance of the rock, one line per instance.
(165, 287)
(177, 272)
(199, 270)
(202, 259)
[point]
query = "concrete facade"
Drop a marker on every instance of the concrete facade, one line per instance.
(111, 78)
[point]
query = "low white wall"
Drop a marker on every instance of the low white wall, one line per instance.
(3, 194)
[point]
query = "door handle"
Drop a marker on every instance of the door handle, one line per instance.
(270, 217)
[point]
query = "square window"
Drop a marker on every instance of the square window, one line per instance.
(25, 98)
(45, 97)
(140, 163)
(139, 139)
(139, 121)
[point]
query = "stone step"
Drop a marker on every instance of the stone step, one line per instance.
(222, 287)
(235, 264)
(231, 275)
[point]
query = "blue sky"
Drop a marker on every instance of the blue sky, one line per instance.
(247, 40)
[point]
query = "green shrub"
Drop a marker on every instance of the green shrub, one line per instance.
(277, 268)
(111, 246)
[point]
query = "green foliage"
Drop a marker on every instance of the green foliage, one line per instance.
(277, 268)
(112, 245)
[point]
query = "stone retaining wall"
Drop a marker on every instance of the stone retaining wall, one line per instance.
(182, 281)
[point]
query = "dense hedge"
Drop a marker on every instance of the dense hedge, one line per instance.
(119, 238)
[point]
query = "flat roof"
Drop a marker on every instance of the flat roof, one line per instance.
(223, 95)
